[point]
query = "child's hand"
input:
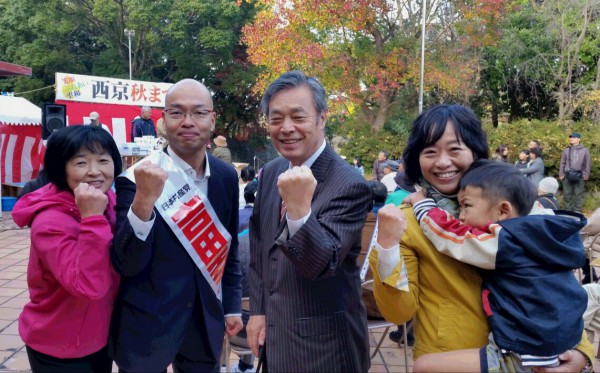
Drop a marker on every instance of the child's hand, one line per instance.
(415, 197)
(391, 224)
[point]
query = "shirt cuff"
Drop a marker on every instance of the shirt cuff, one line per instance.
(295, 225)
(233, 315)
(140, 228)
(388, 260)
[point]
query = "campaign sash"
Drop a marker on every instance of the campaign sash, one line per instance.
(192, 219)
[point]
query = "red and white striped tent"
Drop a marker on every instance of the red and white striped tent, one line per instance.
(21, 146)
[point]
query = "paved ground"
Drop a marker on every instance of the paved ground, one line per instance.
(14, 255)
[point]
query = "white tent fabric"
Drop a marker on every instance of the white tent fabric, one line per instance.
(18, 111)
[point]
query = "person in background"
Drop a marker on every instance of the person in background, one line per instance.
(246, 211)
(389, 173)
(247, 175)
(501, 154)
(143, 125)
(72, 285)
(535, 171)
(221, 151)
(95, 121)
(379, 164)
(246, 363)
(575, 166)
(534, 144)
(379, 194)
(357, 164)
(403, 189)
(590, 234)
(523, 160)
(305, 295)
(547, 188)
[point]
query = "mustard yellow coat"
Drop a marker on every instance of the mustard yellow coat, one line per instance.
(445, 296)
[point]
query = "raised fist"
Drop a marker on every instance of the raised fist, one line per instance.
(391, 224)
(90, 201)
(150, 180)
(297, 187)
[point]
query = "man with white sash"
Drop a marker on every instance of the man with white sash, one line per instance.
(176, 247)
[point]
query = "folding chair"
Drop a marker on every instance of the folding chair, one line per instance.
(386, 325)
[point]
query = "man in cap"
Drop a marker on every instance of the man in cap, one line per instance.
(575, 165)
(389, 173)
(143, 125)
(95, 120)
(221, 151)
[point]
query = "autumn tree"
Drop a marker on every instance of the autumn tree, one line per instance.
(366, 51)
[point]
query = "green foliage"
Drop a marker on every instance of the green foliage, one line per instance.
(554, 138)
(366, 145)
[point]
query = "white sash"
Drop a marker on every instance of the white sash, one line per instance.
(191, 217)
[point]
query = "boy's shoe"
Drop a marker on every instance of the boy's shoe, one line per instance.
(236, 369)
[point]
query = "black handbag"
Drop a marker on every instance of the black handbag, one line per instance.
(574, 175)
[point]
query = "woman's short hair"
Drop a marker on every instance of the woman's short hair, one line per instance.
(429, 128)
(65, 143)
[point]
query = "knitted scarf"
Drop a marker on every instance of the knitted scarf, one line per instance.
(445, 202)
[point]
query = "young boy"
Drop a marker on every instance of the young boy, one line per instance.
(533, 301)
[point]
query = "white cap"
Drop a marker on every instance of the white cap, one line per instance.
(94, 115)
(548, 185)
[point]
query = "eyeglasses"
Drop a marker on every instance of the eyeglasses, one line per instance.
(196, 115)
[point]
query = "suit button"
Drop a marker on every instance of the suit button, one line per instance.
(274, 259)
(189, 305)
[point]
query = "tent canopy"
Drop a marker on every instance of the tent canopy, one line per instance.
(10, 69)
(18, 111)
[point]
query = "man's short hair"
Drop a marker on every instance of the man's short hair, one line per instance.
(293, 79)
(250, 191)
(379, 191)
(501, 181)
(65, 143)
(247, 173)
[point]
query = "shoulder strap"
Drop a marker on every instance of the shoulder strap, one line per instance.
(556, 207)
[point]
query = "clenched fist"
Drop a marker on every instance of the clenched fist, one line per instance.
(391, 224)
(150, 180)
(90, 201)
(297, 187)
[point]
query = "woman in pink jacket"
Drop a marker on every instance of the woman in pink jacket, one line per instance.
(72, 285)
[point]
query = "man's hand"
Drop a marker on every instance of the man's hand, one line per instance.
(561, 178)
(90, 201)
(570, 361)
(391, 224)
(297, 187)
(414, 198)
(233, 325)
(256, 332)
(150, 181)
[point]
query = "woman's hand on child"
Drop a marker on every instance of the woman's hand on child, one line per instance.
(89, 200)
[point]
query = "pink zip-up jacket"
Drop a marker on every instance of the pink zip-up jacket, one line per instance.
(72, 284)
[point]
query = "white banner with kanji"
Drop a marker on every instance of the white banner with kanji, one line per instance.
(193, 220)
(101, 90)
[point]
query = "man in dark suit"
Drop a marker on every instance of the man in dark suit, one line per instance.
(166, 311)
(305, 296)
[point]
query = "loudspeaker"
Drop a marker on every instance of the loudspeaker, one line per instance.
(54, 117)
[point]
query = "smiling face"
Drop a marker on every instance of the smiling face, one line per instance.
(444, 162)
(96, 169)
(295, 127)
(188, 136)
